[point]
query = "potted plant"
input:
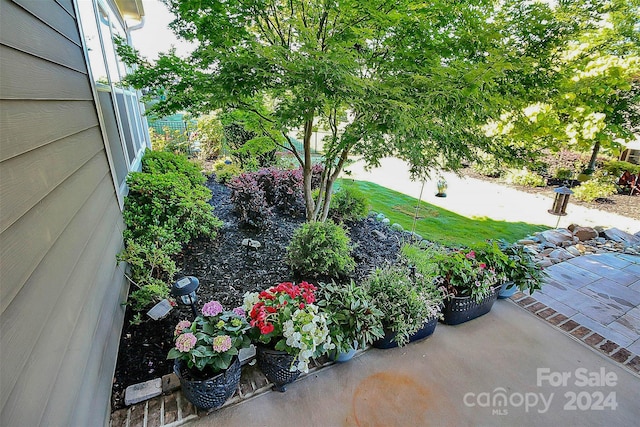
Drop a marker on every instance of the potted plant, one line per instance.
(353, 320)
(523, 273)
(410, 310)
(469, 282)
(206, 354)
(289, 330)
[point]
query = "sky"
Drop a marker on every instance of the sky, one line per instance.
(155, 36)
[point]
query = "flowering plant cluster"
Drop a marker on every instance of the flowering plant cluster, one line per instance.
(212, 339)
(465, 272)
(286, 318)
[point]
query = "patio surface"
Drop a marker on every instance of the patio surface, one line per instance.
(567, 355)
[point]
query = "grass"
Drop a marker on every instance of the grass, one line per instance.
(437, 224)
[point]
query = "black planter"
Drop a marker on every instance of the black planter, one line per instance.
(462, 309)
(389, 339)
(276, 366)
(210, 393)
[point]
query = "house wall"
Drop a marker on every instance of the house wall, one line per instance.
(60, 226)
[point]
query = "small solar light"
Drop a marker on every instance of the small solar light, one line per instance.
(185, 291)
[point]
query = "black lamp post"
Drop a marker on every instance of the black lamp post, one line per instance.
(185, 291)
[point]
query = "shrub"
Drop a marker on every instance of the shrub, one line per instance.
(159, 162)
(488, 166)
(349, 204)
(209, 133)
(594, 189)
(563, 173)
(146, 295)
(525, 178)
(170, 201)
(320, 248)
(249, 200)
(616, 168)
(226, 172)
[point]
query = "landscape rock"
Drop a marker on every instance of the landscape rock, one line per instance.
(379, 234)
(556, 237)
(561, 254)
(621, 236)
(143, 391)
(585, 233)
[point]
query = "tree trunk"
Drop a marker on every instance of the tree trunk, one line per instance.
(594, 155)
(306, 169)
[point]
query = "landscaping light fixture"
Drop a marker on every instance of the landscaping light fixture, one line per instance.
(442, 187)
(560, 202)
(185, 291)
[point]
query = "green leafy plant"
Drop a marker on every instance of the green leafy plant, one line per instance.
(522, 269)
(525, 178)
(405, 305)
(320, 248)
(158, 162)
(225, 172)
(593, 189)
(616, 168)
(286, 317)
(352, 317)
(209, 343)
(209, 132)
(563, 173)
(349, 204)
(148, 294)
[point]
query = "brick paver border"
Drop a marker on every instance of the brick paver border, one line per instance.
(612, 350)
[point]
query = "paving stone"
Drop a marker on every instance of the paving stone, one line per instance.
(137, 415)
(518, 296)
(170, 382)
(170, 408)
(569, 325)
(608, 347)
(525, 302)
(143, 391)
(536, 307)
(119, 418)
(594, 339)
(634, 364)
(622, 355)
(581, 332)
(557, 319)
(154, 410)
(547, 312)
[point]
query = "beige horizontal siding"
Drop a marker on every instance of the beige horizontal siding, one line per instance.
(25, 32)
(28, 77)
(17, 118)
(59, 18)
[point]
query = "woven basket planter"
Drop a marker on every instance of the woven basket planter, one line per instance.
(462, 309)
(209, 393)
(388, 341)
(276, 366)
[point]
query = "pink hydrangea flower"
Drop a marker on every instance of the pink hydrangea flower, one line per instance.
(181, 326)
(212, 308)
(240, 311)
(186, 342)
(471, 255)
(221, 343)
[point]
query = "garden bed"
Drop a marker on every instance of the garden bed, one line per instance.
(226, 271)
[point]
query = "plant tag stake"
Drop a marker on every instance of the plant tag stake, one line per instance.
(160, 310)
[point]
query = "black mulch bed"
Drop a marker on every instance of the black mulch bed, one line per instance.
(226, 271)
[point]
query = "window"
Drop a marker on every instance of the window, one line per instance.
(126, 128)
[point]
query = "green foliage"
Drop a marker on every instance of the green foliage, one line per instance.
(594, 188)
(349, 204)
(522, 269)
(209, 132)
(320, 248)
(406, 306)
(146, 295)
(562, 173)
(165, 208)
(158, 162)
(415, 86)
(525, 178)
(351, 315)
(488, 165)
(245, 146)
(616, 168)
(225, 172)
(171, 140)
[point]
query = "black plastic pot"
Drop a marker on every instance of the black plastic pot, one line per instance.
(389, 339)
(210, 393)
(462, 309)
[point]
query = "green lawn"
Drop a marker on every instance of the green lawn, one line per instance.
(437, 224)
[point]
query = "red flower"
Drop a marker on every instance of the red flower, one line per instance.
(267, 328)
(301, 306)
(483, 266)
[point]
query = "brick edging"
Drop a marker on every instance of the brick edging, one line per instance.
(618, 354)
